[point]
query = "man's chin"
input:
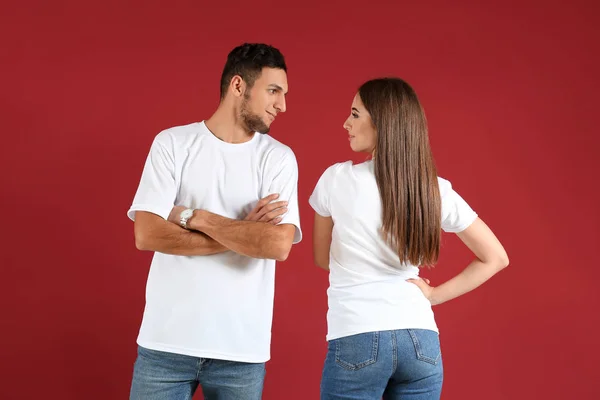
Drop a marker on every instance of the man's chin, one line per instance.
(257, 125)
(265, 128)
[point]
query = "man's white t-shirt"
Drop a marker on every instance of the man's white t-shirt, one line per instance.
(368, 290)
(217, 306)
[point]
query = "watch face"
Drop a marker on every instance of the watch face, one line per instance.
(187, 213)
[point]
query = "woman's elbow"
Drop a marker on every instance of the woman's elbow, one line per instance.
(502, 260)
(322, 262)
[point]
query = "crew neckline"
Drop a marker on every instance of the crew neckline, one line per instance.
(225, 145)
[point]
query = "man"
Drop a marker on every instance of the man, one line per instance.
(217, 203)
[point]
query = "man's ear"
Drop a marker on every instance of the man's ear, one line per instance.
(237, 86)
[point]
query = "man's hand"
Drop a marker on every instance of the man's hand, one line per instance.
(265, 211)
(175, 214)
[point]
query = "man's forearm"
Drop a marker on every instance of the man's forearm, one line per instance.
(250, 238)
(153, 233)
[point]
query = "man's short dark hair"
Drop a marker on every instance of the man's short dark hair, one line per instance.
(247, 61)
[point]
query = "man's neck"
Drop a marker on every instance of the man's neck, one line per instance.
(226, 125)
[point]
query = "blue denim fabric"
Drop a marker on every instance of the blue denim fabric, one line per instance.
(401, 364)
(160, 375)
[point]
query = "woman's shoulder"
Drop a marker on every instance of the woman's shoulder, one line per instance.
(444, 185)
(339, 166)
(447, 190)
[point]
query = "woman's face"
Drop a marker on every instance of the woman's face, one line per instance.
(361, 131)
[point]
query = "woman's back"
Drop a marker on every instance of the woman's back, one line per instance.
(368, 289)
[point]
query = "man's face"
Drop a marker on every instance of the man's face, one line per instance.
(264, 100)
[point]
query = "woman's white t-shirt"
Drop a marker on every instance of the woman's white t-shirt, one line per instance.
(368, 289)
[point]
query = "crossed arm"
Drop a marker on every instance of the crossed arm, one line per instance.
(256, 236)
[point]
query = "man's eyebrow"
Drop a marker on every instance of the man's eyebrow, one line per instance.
(273, 85)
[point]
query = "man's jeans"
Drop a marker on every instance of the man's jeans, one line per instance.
(160, 375)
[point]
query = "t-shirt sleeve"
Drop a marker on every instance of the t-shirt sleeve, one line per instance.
(457, 215)
(285, 182)
(157, 189)
(319, 199)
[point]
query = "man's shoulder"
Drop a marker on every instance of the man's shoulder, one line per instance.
(178, 134)
(276, 149)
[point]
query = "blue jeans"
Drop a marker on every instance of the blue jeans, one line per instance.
(158, 375)
(402, 364)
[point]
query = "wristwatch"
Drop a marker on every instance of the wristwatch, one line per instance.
(184, 216)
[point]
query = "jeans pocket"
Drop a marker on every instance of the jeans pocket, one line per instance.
(427, 345)
(357, 351)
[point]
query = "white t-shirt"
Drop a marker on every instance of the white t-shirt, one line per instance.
(217, 306)
(368, 290)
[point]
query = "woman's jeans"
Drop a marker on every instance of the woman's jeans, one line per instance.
(401, 364)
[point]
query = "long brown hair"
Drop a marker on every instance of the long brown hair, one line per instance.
(404, 170)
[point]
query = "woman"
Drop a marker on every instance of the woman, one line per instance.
(376, 223)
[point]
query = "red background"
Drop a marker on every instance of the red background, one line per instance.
(511, 94)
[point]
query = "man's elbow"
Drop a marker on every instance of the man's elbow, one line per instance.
(283, 248)
(142, 241)
(284, 244)
(283, 251)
